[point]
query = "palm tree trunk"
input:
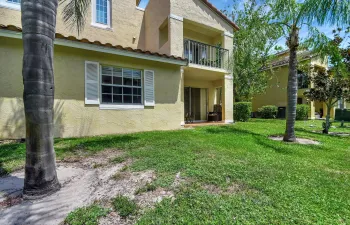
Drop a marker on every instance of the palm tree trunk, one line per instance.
(39, 24)
(292, 88)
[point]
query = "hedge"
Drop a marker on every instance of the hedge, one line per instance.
(342, 114)
(268, 112)
(302, 112)
(242, 111)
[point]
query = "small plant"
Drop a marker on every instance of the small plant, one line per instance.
(97, 165)
(118, 176)
(86, 215)
(117, 159)
(302, 112)
(242, 111)
(325, 127)
(268, 112)
(124, 206)
(125, 168)
(148, 187)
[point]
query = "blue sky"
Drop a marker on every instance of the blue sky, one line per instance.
(222, 4)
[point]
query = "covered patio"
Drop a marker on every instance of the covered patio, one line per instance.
(208, 96)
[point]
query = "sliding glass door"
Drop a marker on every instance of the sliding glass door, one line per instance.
(196, 103)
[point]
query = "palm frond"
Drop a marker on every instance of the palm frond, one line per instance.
(335, 12)
(74, 12)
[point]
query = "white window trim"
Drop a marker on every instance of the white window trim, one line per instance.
(10, 5)
(93, 13)
(111, 106)
(120, 107)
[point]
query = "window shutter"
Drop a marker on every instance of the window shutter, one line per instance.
(92, 83)
(149, 88)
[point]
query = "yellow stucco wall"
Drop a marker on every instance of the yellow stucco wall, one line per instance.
(72, 116)
(127, 23)
(276, 92)
(197, 11)
(157, 11)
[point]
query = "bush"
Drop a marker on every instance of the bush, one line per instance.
(268, 112)
(302, 112)
(242, 111)
(124, 206)
(342, 114)
(86, 215)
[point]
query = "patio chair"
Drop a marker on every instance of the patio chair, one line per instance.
(189, 117)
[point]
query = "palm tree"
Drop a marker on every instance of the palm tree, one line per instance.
(292, 16)
(38, 33)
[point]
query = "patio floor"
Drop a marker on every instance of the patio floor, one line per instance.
(206, 123)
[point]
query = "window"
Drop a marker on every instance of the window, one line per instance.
(302, 80)
(11, 4)
(101, 13)
(121, 86)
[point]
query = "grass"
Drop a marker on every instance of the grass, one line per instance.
(124, 206)
(118, 159)
(86, 215)
(282, 183)
(147, 188)
(118, 176)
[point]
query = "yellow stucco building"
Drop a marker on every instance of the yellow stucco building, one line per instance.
(276, 92)
(130, 70)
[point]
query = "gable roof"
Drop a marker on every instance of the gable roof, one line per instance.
(223, 16)
(127, 50)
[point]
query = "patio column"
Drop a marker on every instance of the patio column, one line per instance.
(228, 99)
(182, 95)
(312, 103)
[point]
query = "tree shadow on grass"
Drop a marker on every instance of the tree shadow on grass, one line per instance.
(303, 130)
(263, 140)
(90, 146)
(14, 154)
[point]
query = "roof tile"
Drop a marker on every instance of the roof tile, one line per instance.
(98, 43)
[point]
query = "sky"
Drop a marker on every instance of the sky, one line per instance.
(223, 4)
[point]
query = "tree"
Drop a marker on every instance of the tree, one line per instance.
(334, 85)
(38, 33)
(252, 46)
(292, 15)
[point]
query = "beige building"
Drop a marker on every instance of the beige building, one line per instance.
(276, 92)
(130, 70)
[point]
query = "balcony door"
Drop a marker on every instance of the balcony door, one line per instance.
(196, 103)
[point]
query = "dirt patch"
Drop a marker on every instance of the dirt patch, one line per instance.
(303, 141)
(340, 134)
(93, 161)
(82, 184)
(11, 201)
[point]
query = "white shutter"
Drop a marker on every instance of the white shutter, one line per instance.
(149, 88)
(92, 83)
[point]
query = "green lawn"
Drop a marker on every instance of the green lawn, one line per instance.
(275, 182)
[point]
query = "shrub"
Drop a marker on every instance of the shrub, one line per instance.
(302, 112)
(342, 114)
(268, 112)
(242, 111)
(124, 206)
(86, 215)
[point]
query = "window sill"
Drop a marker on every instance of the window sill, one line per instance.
(121, 107)
(101, 26)
(9, 5)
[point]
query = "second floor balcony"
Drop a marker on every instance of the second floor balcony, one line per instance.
(206, 55)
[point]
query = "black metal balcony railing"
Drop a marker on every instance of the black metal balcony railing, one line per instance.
(206, 55)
